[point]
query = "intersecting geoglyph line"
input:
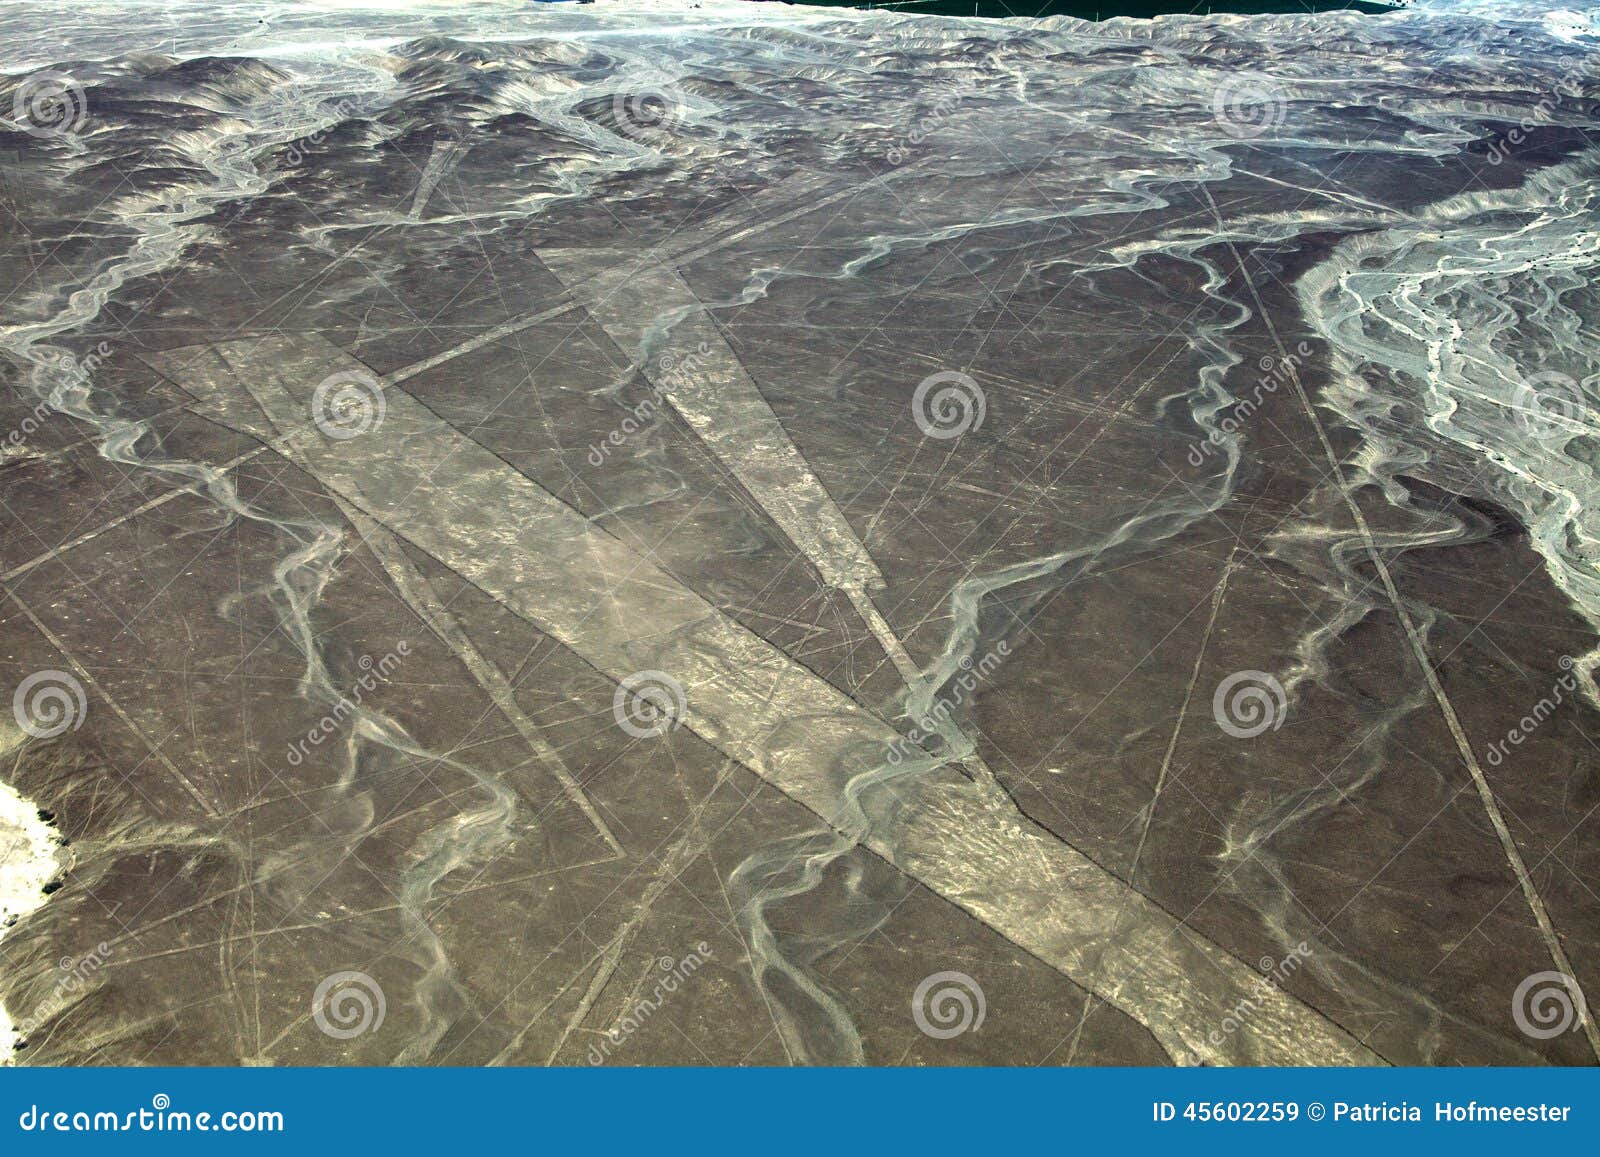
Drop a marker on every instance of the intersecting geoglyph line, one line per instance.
(801, 195)
(419, 594)
(718, 400)
(620, 613)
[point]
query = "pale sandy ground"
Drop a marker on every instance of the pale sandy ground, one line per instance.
(29, 857)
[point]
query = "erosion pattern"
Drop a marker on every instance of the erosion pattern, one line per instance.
(736, 534)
